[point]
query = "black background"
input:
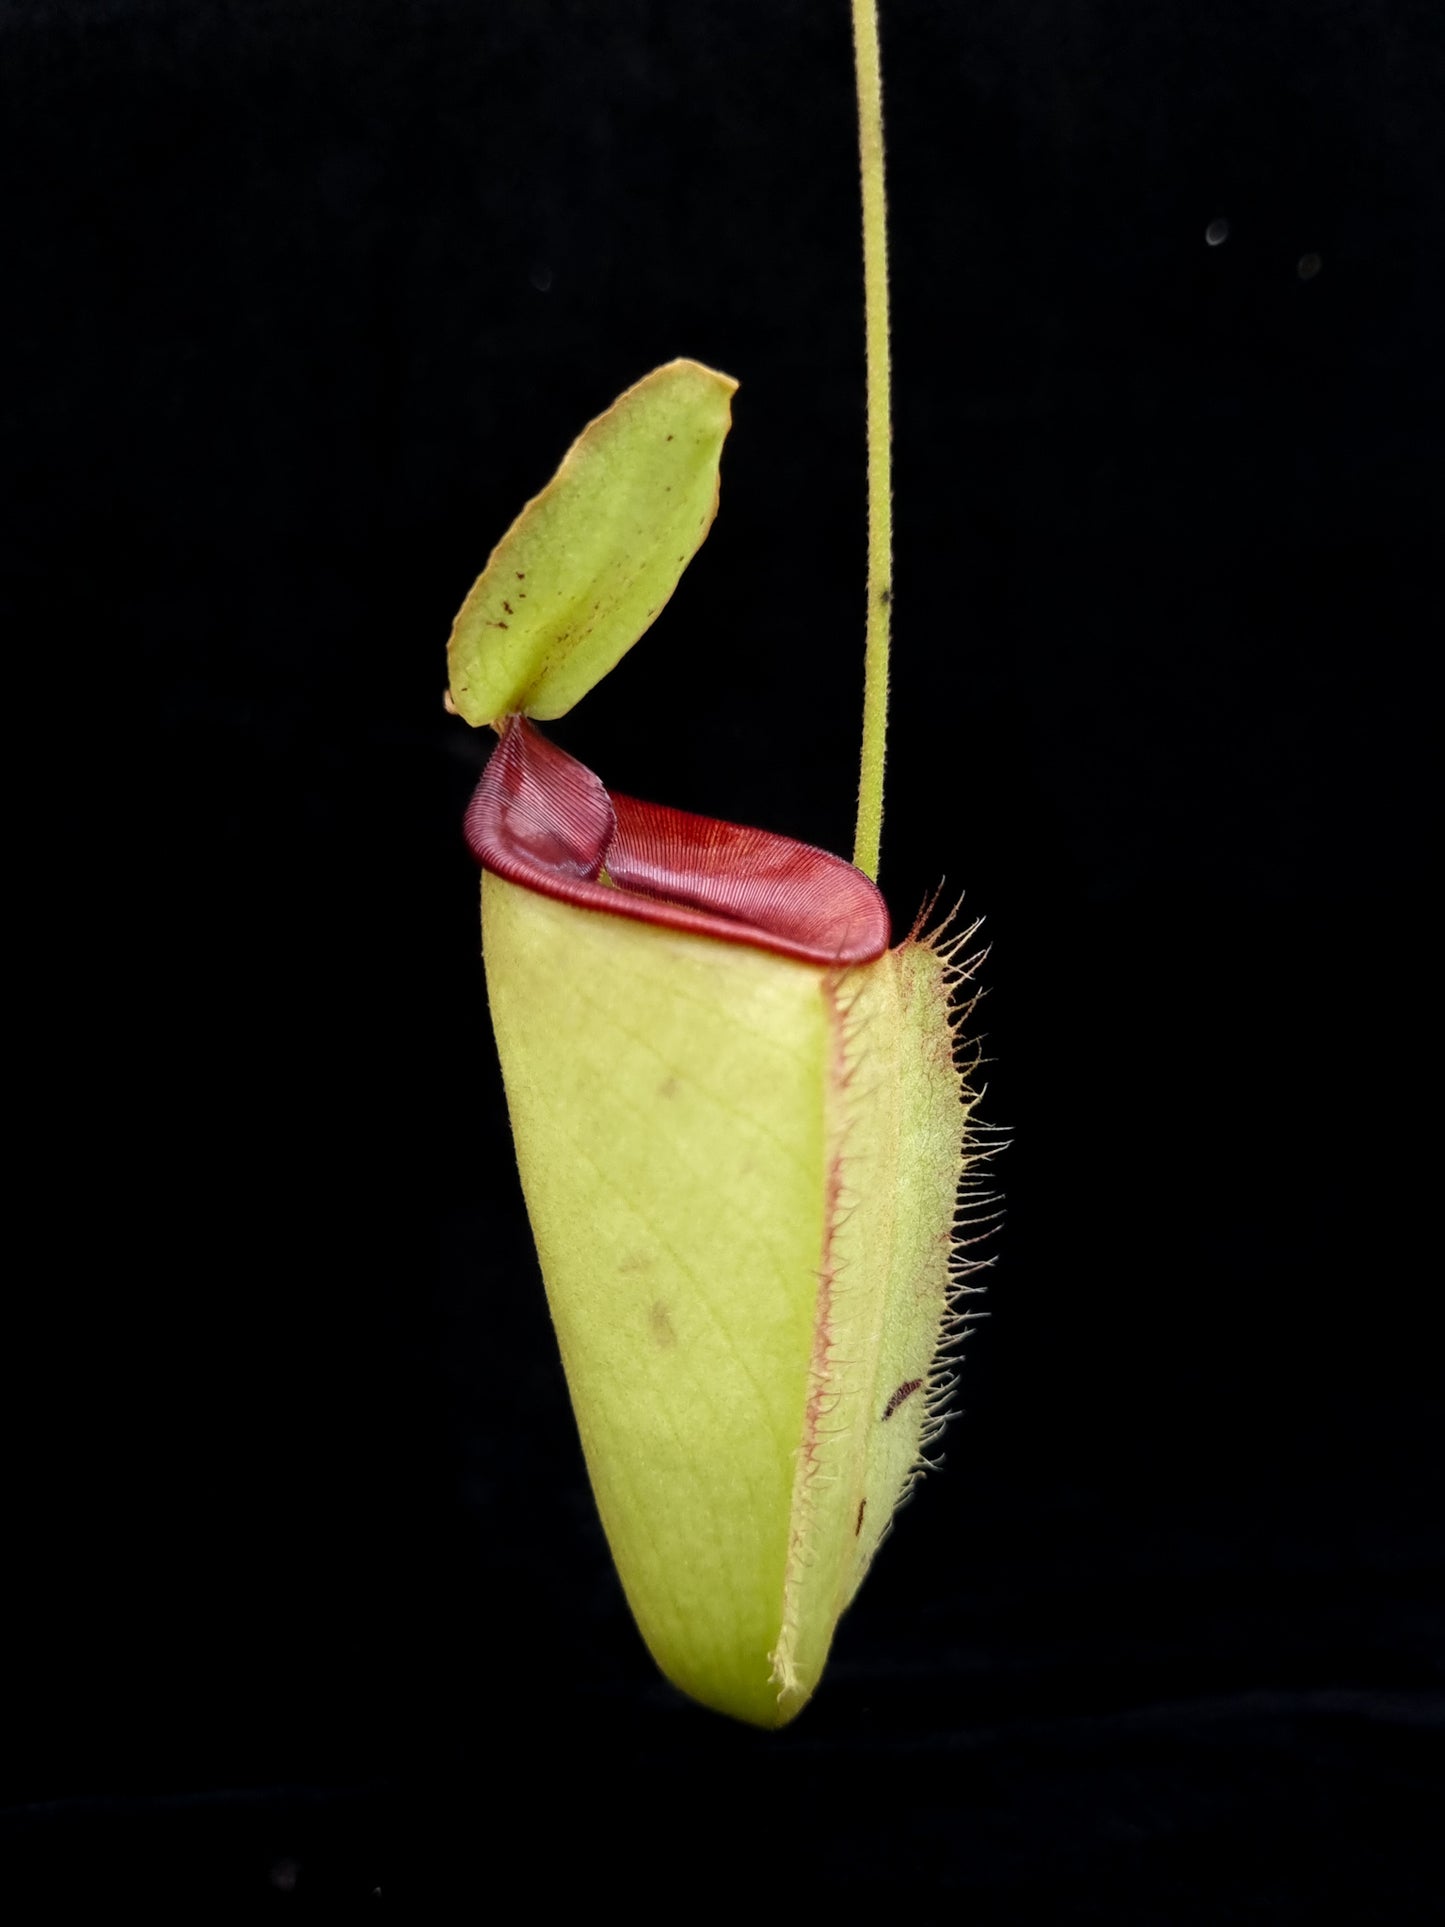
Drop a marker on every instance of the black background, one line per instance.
(304, 1591)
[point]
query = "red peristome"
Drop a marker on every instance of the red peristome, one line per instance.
(542, 819)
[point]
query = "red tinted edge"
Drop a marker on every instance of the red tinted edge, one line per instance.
(541, 819)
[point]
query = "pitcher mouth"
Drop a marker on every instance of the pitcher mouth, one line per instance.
(541, 819)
